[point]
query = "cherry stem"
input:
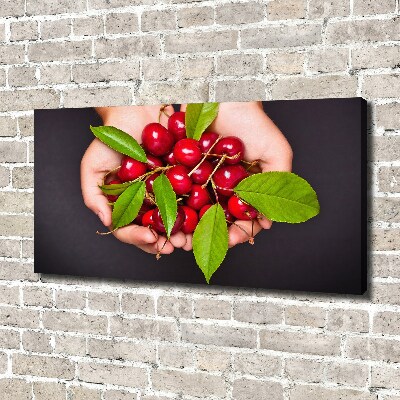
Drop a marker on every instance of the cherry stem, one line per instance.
(226, 156)
(106, 233)
(215, 190)
(251, 164)
(158, 255)
(109, 173)
(162, 111)
(205, 156)
(214, 170)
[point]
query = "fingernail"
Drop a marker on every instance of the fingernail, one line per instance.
(101, 216)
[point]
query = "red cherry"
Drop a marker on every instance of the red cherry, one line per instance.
(153, 162)
(150, 181)
(147, 218)
(176, 125)
(232, 147)
(198, 197)
(131, 169)
(228, 216)
(158, 224)
(202, 173)
(111, 197)
(138, 220)
(156, 139)
(170, 159)
(187, 152)
(204, 209)
(179, 178)
(207, 140)
(191, 220)
(241, 210)
(227, 177)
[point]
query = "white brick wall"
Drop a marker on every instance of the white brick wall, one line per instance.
(75, 338)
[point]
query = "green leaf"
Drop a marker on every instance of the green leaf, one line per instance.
(280, 196)
(127, 207)
(119, 141)
(115, 189)
(210, 241)
(199, 117)
(166, 202)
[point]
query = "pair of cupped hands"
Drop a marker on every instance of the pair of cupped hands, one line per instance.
(262, 139)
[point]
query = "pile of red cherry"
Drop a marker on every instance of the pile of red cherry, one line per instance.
(202, 172)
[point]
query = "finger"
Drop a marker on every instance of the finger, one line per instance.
(136, 235)
(265, 223)
(169, 110)
(183, 107)
(178, 239)
(188, 246)
(164, 246)
(241, 231)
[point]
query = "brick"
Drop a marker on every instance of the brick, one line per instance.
(385, 265)
(4, 176)
(12, 389)
(384, 240)
(196, 16)
(300, 342)
(142, 304)
(88, 26)
(331, 60)
(257, 364)
(247, 389)
(31, 152)
(321, 86)
(308, 392)
(373, 30)
(328, 8)
(305, 316)
(37, 342)
(49, 367)
(158, 20)
(348, 321)
(11, 316)
(173, 92)
(245, 90)
(3, 363)
(24, 30)
(9, 339)
(377, 349)
(3, 79)
(389, 179)
(39, 296)
(8, 126)
(70, 299)
(384, 148)
(16, 225)
(199, 42)
(375, 57)
(144, 328)
(122, 350)
(219, 335)
(370, 7)
(125, 47)
(10, 270)
(12, 8)
(70, 345)
(212, 309)
(281, 10)
(10, 248)
(51, 7)
(120, 395)
(86, 97)
(106, 4)
(105, 72)
(305, 370)
(159, 69)
(71, 322)
(22, 177)
(387, 323)
(25, 125)
(258, 313)
(385, 209)
(55, 74)
(59, 28)
(12, 152)
(60, 51)
(381, 86)
(23, 100)
(175, 356)
(388, 115)
(108, 302)
(16, 202)
(113, 374)
(9, 295)
(349, 374)
(84, 393)
(239, 64)
(285, 63)
(122, 23)
(195, 67)
(12, 54)
(239, 13)
(192, 384)
(387, 377)
(281, 36)
(213, 360)
(22, 76)
(27, 249)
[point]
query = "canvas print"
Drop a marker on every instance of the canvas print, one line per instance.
(237, 194)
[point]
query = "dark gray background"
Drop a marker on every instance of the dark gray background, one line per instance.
(325, 254)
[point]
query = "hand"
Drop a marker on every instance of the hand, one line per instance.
(263, 142)
(100, 159)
